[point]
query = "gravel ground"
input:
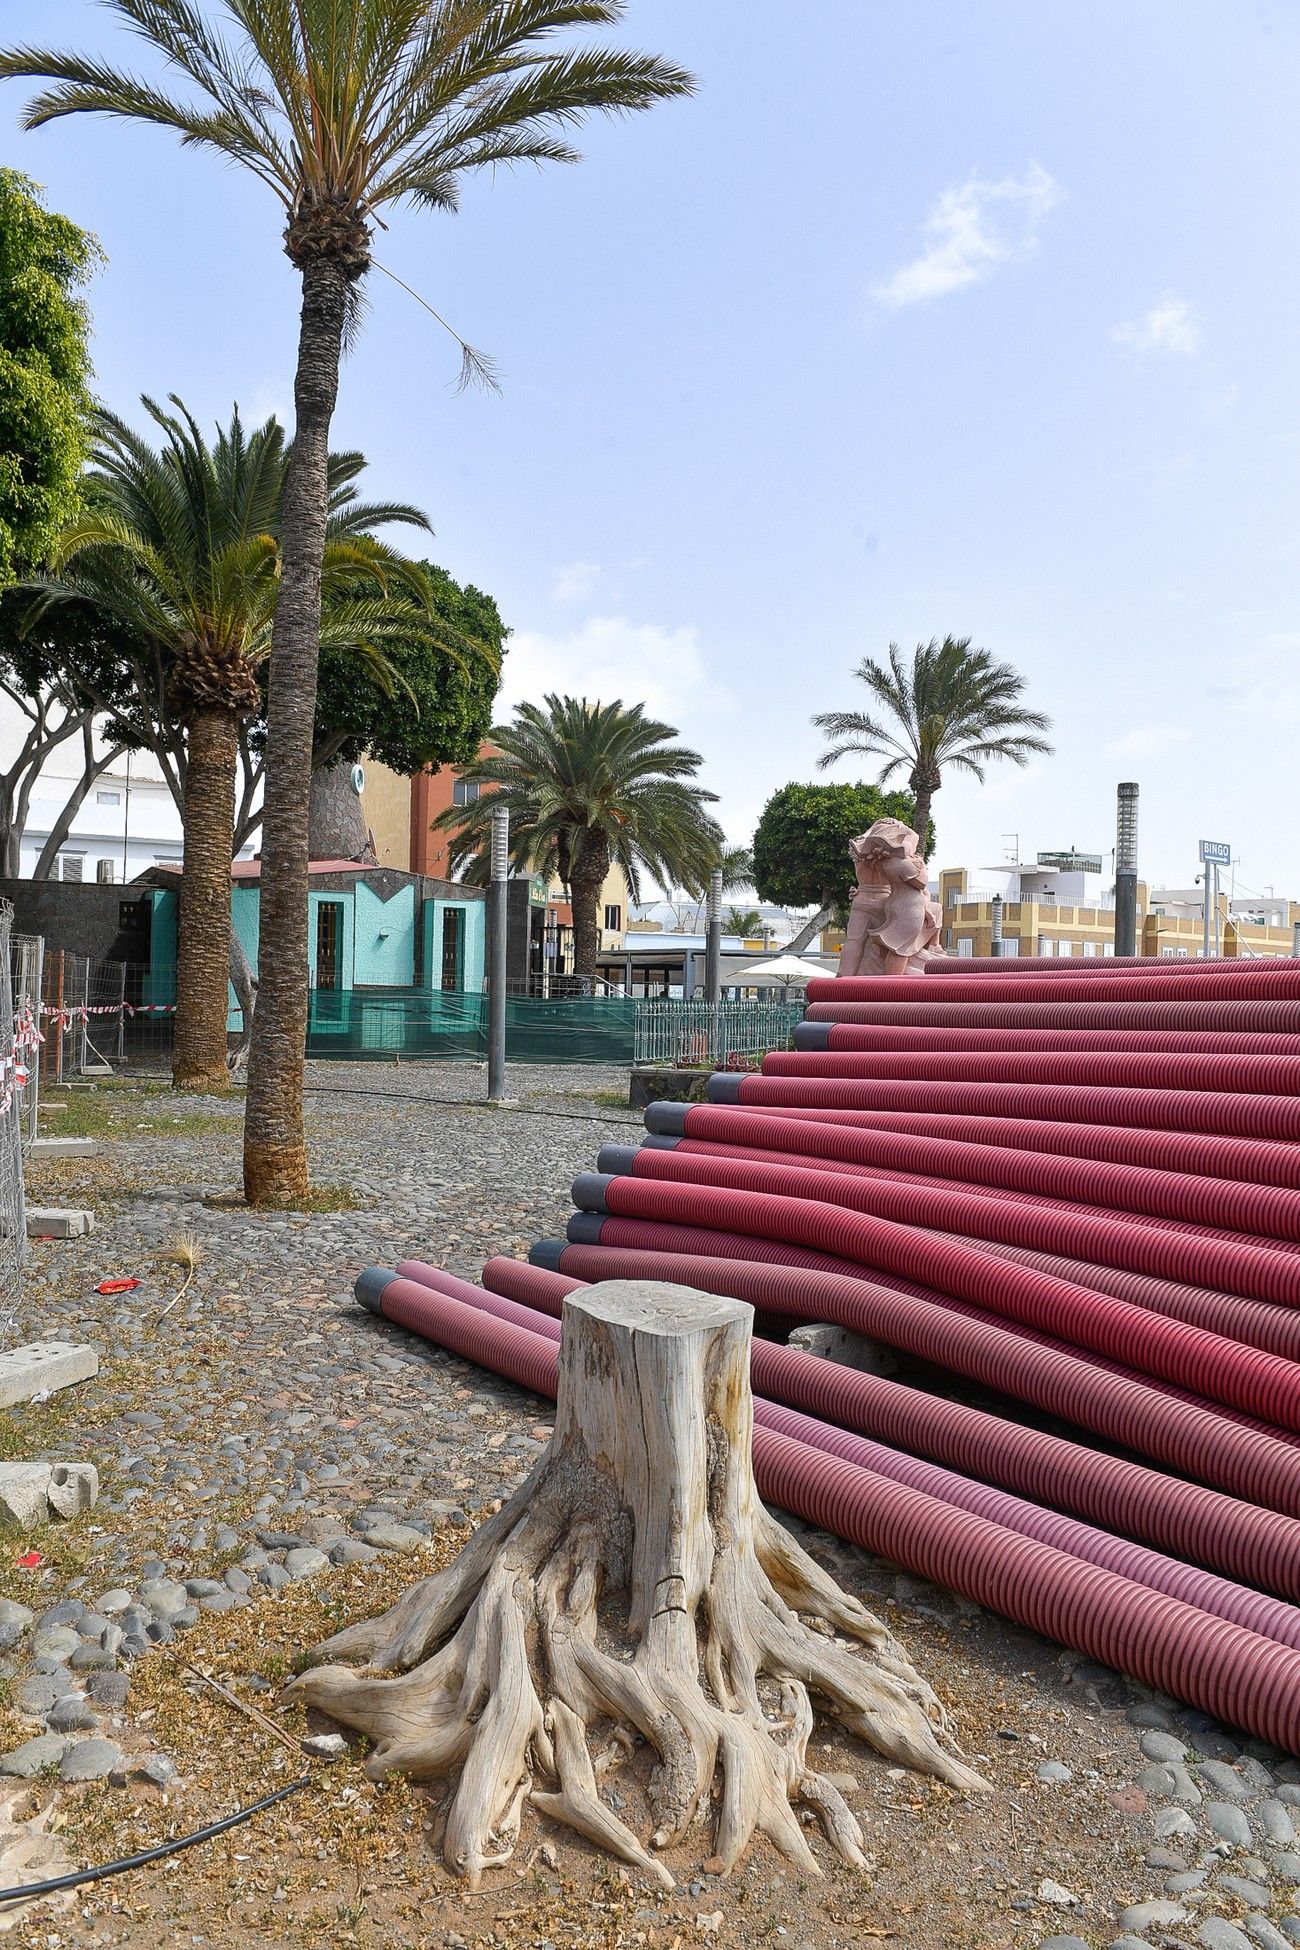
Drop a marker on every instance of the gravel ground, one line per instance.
(274, 1460)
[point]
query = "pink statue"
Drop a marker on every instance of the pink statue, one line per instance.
(893, 924)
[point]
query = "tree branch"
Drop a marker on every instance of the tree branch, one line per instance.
(92, 767)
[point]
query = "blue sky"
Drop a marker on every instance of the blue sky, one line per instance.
(923, 318)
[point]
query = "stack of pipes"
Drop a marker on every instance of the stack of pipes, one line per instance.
(1079, 1189)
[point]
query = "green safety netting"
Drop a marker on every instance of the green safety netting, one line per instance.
(388, 1023)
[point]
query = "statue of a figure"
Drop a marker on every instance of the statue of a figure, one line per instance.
(893, 924)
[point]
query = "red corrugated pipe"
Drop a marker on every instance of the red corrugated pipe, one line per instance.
(1250, 1161)
(1263, 1272)
(1259, 1076)
(1189, 1435)
(1166, 1110)
(930, 1011)
(1235, 1674)
(1225, 981)
(1264, 1211)
(886, 1036)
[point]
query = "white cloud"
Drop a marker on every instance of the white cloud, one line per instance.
(575, 581)
(1148, 741)
(1170, 326)
(611, 656)
(973, 227)
(273, 398)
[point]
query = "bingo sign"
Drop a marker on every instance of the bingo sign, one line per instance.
(1216, 853)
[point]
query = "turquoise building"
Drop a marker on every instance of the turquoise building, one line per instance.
(393, 958)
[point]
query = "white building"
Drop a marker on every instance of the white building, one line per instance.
(127, 822)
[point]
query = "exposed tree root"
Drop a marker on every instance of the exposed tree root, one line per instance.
(634, 1585)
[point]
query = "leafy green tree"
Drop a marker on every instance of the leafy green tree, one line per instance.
(801, 846)
(952, 705)
(589, 786)
(177, 546)
(439, 709)
(44, 372)
(340, 107)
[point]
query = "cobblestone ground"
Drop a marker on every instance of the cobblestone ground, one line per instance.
(274, 1460)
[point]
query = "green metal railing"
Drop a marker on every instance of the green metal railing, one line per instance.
(680, 1034)
(388, 1023)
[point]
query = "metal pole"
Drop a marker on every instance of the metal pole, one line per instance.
(995, 925)
(497, 955)
(1126, 877)
(1218, 918)
(713, 940)
(1205, 914)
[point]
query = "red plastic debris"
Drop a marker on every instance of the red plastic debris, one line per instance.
(31, 1562)
(116, 1286)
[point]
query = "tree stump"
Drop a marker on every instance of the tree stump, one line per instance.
(634, 1588)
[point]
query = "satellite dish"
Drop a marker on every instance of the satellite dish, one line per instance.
(358, 778)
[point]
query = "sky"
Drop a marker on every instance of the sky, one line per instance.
(916, 320)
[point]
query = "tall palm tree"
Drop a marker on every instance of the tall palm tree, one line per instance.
(589, 786)
(340, 107)
(953, 705)
(177, 546)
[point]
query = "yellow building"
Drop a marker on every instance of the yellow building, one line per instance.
(1053, 925)
(386, 809)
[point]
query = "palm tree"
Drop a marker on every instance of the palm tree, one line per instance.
(340, 107)
(744, 921)
(954, 706)
(589, 786)
(177, 547)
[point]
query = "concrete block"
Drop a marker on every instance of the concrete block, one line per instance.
(54, 1222)
(69, 1147)
(831, 1343)
(72, 1487)
(43, 1367)
(652, 1084)
(32, 1493)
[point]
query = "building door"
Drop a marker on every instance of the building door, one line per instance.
(329, 945)
(453, 948)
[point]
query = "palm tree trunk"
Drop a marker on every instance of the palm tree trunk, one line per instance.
(275, 1147)
(584, 893)
(199, 1053)
(921, 814)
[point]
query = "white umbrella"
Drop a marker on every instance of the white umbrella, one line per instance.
(784, 969)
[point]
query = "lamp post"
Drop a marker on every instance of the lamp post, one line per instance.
(995, 924)
(497, 955)
(713, 939)
(1126, 868)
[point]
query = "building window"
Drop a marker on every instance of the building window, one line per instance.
(104, 872)
(108, 798)
(965, 946)
(613, 918)
(70, 865)
(1089, 947)
(464, 792)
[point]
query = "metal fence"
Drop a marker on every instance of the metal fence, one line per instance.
(680, 1034)
(13, 1217)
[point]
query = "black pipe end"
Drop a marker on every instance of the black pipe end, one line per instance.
(370, 1286)
(812, 1035)
(656, 1143)
(585, 1228)
(546, 1252)
(589, 1188)
(724, 1087)
(615, 1160)
(665, 1119)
